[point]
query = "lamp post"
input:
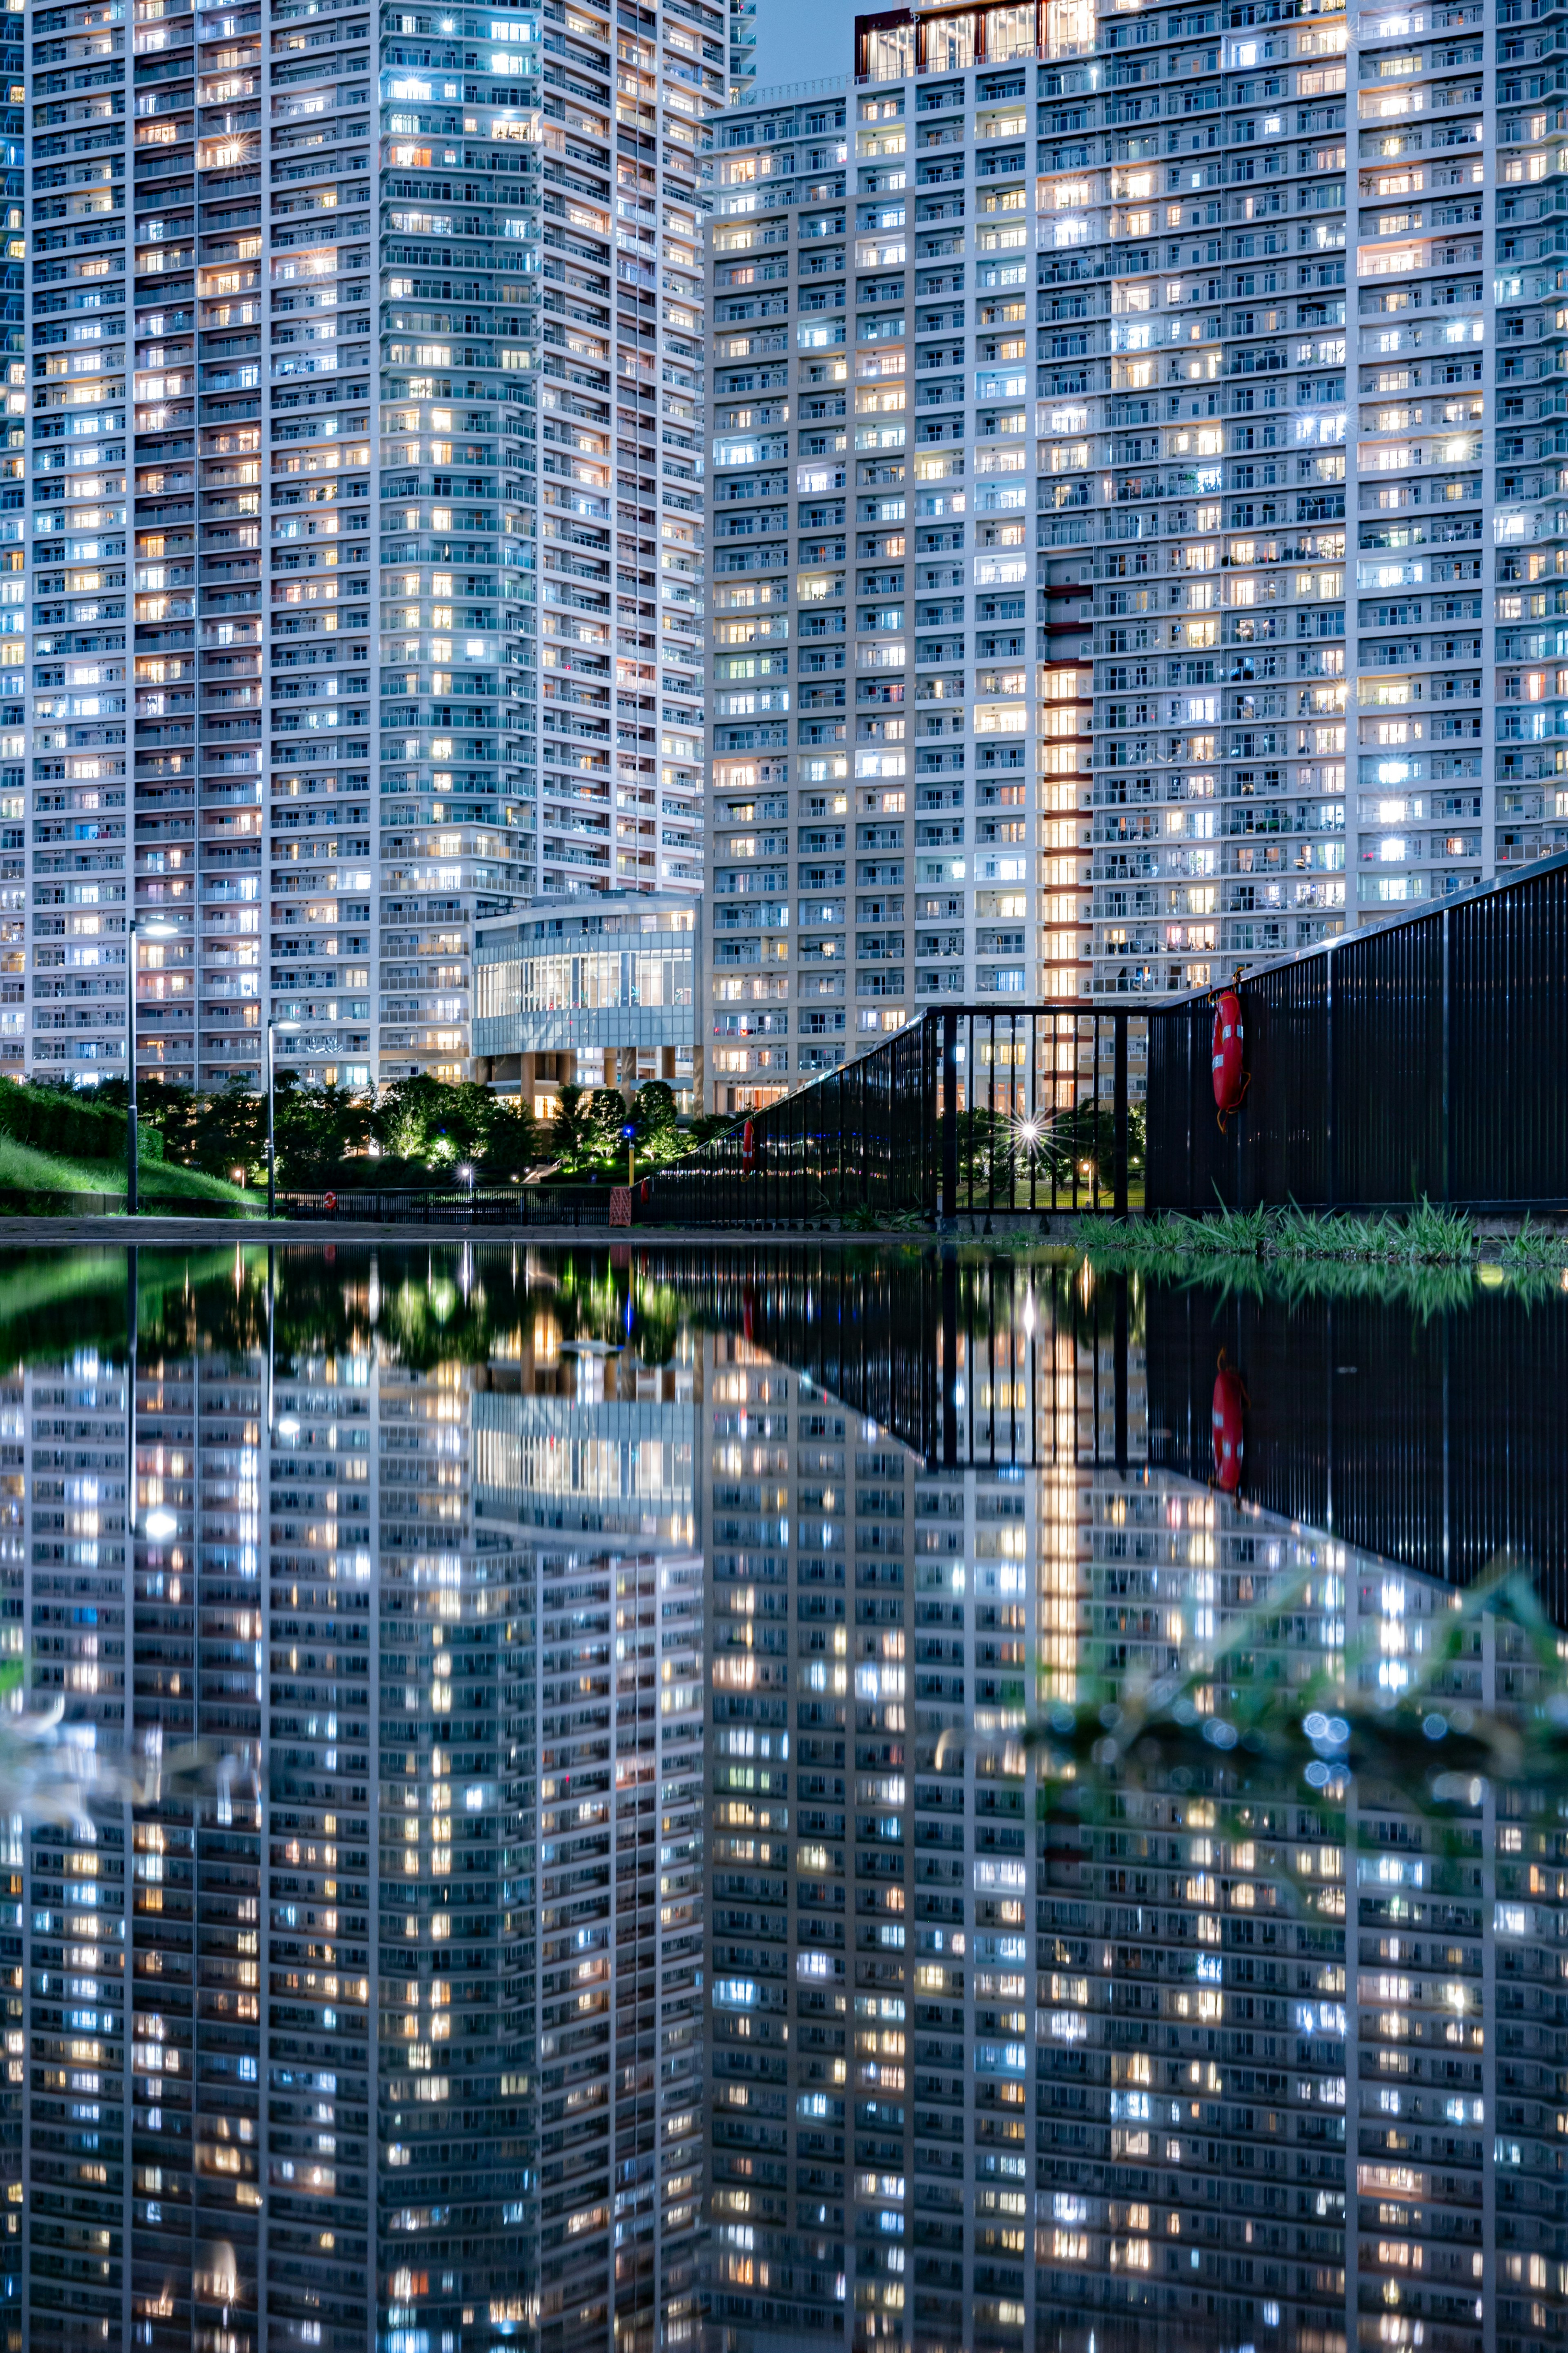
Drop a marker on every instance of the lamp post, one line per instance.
(271, 1116)
(151, 927)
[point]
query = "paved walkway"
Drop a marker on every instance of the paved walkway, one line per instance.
(1055, 1233)
(218, 1233)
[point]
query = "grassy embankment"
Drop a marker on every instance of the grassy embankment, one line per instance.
(25, 1168)
(55, 1143)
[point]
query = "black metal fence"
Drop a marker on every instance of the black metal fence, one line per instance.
(18, 1201)
(1424, 1059)
(581, 1206)
(969, 1112)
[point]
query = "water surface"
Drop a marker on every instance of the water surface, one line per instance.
(587, 1883)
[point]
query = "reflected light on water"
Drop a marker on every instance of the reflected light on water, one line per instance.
(605, 1876)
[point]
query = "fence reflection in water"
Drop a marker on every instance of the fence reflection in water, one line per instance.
(958, 1360)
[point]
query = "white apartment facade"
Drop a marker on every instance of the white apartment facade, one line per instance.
(1289, 664)
(895, 700)
(363, 571)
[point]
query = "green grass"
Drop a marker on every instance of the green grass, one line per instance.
(1426, 1237)
(81, 1293)
(1228, 1233)
(23, 1168)
(1533, 1251)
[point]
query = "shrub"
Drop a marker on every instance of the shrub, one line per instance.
(53, 1120)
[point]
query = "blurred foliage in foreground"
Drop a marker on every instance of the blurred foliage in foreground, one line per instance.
(1272, 1742)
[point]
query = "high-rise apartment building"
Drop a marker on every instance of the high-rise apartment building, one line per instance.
(1196, 270)
(876, 2107)
(894, 700)
(324, 2044)
(12, 552)
(1254, 548)
(366, 546)
(1270, 493)
(1238, 2062)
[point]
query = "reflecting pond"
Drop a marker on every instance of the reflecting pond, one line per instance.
(599, 1800)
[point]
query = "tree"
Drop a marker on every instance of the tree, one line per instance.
(1085, 1138)
(659, 1137)
(609, 1116)
(405, 1114)
(175, 1112)
(230, 1131)
(464, 1120)
(653, 1110)
(215, 1133)
(422, 1119)
(324, 1134)
(585, 1133)
(571, 1128)
(979, 1132)
(515, 1142)
(316, 1129)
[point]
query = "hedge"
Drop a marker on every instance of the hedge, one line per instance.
(56, 1121)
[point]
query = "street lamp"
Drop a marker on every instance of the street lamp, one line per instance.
(271, 1116)
(151, 927)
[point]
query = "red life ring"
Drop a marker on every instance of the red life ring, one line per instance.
(1231, 1079)
(748, 1149)
(330, 1201)
(1229, 1427)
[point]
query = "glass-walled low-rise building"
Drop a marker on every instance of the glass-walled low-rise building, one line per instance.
(601, 996)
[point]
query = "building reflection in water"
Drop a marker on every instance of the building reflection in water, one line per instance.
(615, 1908)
